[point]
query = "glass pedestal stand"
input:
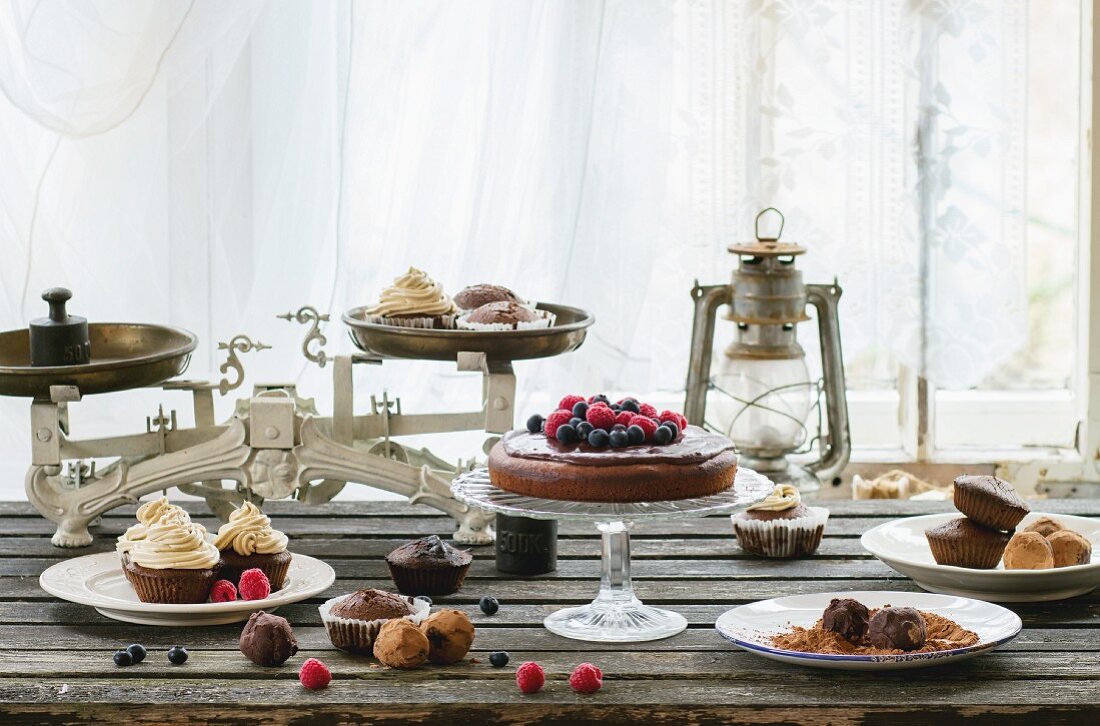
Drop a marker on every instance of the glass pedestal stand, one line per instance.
(616, 615)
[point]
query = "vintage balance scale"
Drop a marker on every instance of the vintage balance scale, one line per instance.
(276, 444)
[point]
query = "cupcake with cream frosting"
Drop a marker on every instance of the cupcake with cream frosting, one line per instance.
(173, 563)
(414, 300)
(248, 541)
(147, 514)
(780, 525)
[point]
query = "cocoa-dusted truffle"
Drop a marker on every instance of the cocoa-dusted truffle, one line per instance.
(502, 312)
(449, 634)
(1070, 548)
(1045, 526)
(371, 604)
(475, 296)
(1028, 551)
(847, 617)
(897, 628)
(267, 640)
(400, 644)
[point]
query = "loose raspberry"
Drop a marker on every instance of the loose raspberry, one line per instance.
(530, 677)
(314, 674)
(223, 591)
(601, 417)
(254, 585)
(645, 423)
(624, 418)
(647, 410)
(569, 402)
(554, 420)
(586, 678)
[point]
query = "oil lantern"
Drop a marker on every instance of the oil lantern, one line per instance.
(761, 394)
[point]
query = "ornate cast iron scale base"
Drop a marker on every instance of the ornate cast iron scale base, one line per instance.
(276, 445)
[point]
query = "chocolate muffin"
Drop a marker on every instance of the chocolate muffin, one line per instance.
(962, 543)
(428, 566)
(989, 501)
(353, 621)
(475, 296)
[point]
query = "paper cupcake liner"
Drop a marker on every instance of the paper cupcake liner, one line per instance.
(986, 511)
(172, 587)
(545, 320)
(965, 552)
(786, 538)
(428, 581)
(357, 636)
(444, 322)
(275, 570)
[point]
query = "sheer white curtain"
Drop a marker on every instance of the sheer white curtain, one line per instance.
(210, 164)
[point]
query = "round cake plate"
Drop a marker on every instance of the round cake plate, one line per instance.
(392, 341)
(616, 615)
(124, 356)
(98, 580)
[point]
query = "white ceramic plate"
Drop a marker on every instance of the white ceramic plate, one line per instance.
(750, 627)
(901, 544)
(97, 580)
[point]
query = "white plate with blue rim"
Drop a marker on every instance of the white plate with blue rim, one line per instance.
(751, 627)
(901, 544)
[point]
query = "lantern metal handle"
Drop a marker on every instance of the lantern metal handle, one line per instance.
(782, 221)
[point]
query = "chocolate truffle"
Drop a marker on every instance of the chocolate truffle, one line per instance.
(400, 644)
(1028, 551)
(989, 501)
(449, 634)
(1045, 526)
(475, 296)
(428, 566)
(1069, 548)
(846, 617)
(962, 543)
(371, 604)
(897, 629)
(267, 639)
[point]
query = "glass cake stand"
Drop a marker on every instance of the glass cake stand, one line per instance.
(616, 615)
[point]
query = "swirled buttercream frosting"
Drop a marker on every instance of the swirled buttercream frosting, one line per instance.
(147, 514)
(782, 498)
(174, 542)
(413, 293)
(249, 531)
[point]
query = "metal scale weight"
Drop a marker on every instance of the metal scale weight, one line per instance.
(276, 444)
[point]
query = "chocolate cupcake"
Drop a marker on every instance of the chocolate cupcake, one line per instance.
(352, 621)
(428, 566)
(989, 501)
(474, 296)
(962, 543)
(413, 301)
(174, 564)
(247, 542)
(505, 316)
(780, 525)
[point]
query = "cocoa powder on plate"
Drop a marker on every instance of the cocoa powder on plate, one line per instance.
(943, 634)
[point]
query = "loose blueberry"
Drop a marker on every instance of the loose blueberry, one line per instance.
(662, 435)
(566, 434)
(673, 428)
(584, 428)
(534, 424)
(425, 598)
(597, 439)
(636, 435)
(599, 397)
(499, 658)
(619, 439)
(580, 408)
(631, 405)
(137, 652)
(123, 658)
(177, 655)
(619, 427)
(489, 605)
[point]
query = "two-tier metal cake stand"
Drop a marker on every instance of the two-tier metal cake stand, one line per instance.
(616, 615)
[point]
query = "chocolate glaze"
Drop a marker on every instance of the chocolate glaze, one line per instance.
(694, 445)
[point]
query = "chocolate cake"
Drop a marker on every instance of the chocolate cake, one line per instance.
(696, 464)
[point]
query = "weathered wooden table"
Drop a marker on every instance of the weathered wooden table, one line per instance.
(55, 664)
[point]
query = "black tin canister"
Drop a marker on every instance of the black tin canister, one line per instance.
(526, 546)
(60, 339)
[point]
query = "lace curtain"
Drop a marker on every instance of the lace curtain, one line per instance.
(209, 165)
